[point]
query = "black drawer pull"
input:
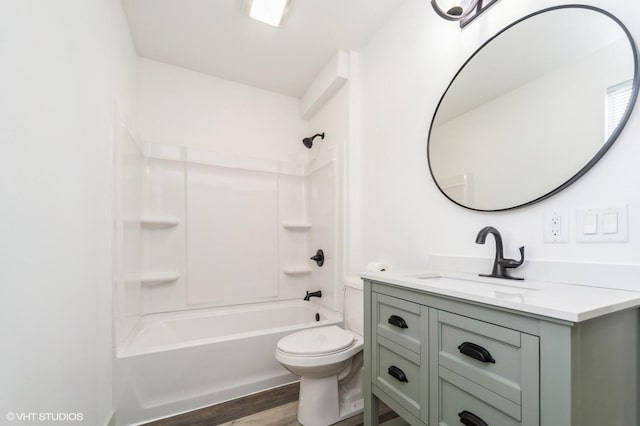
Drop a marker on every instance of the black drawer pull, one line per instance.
(476, 352)
(397, 321)
(470, 419)
(397, 374)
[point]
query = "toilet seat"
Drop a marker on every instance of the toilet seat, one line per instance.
(317, 342)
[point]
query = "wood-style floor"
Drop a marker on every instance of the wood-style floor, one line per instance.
(275, 407)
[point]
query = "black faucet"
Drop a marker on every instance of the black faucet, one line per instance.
(500, 264)
(313, 294)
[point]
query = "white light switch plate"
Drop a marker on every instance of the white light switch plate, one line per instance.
(607, 230)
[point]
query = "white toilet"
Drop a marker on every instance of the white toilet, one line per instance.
(329, 363)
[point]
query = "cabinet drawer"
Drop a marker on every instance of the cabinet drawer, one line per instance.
(399, 375)
(497, 358)
(456, 400)
(397, 320)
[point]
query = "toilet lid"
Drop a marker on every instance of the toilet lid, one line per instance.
(316, 341)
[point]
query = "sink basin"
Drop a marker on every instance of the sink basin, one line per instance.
(500, 291)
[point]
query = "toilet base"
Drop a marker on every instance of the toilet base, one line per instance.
(350, 409)
(320, 403)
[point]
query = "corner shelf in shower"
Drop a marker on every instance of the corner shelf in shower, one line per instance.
(296, 270)
(296, 226)
(153, 278)
(159, 222)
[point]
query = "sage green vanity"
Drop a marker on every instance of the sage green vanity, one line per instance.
(441, 360)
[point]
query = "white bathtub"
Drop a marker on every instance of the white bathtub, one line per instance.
(178, 362)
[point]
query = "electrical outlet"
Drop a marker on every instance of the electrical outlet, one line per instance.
(556, 226)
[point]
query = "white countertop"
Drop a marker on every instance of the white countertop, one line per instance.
(568, 302)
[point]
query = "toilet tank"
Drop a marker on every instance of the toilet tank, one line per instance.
(354, 309)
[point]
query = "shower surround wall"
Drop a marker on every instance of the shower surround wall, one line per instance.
(214, 230)
(128, 168)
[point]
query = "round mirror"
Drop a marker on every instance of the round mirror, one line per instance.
(534, 108)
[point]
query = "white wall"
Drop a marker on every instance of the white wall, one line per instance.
(63, 65)
(185, 108)
(404, 70)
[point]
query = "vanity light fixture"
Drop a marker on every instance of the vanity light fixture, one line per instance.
(270, 12)
(463, 11)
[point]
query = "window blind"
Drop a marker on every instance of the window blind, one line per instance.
(617, 99)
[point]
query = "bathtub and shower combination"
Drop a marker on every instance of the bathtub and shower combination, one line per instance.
(177, 362)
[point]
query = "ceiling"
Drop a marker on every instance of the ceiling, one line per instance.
(214, 37)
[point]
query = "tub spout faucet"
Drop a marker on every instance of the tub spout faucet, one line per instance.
(313, 294)
(500, 264)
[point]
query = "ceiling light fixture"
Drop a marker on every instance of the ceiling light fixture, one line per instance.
(463, 11)
(270, 12)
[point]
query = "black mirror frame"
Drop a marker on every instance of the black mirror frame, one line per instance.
(605, 146)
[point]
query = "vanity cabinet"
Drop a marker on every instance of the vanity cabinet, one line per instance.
(444, 361)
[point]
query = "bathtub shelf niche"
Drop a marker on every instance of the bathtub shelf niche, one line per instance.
(296, 226)
(296, 270)
(159, 222)
(153, 278)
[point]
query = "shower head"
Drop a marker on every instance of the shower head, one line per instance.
(308, 142)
